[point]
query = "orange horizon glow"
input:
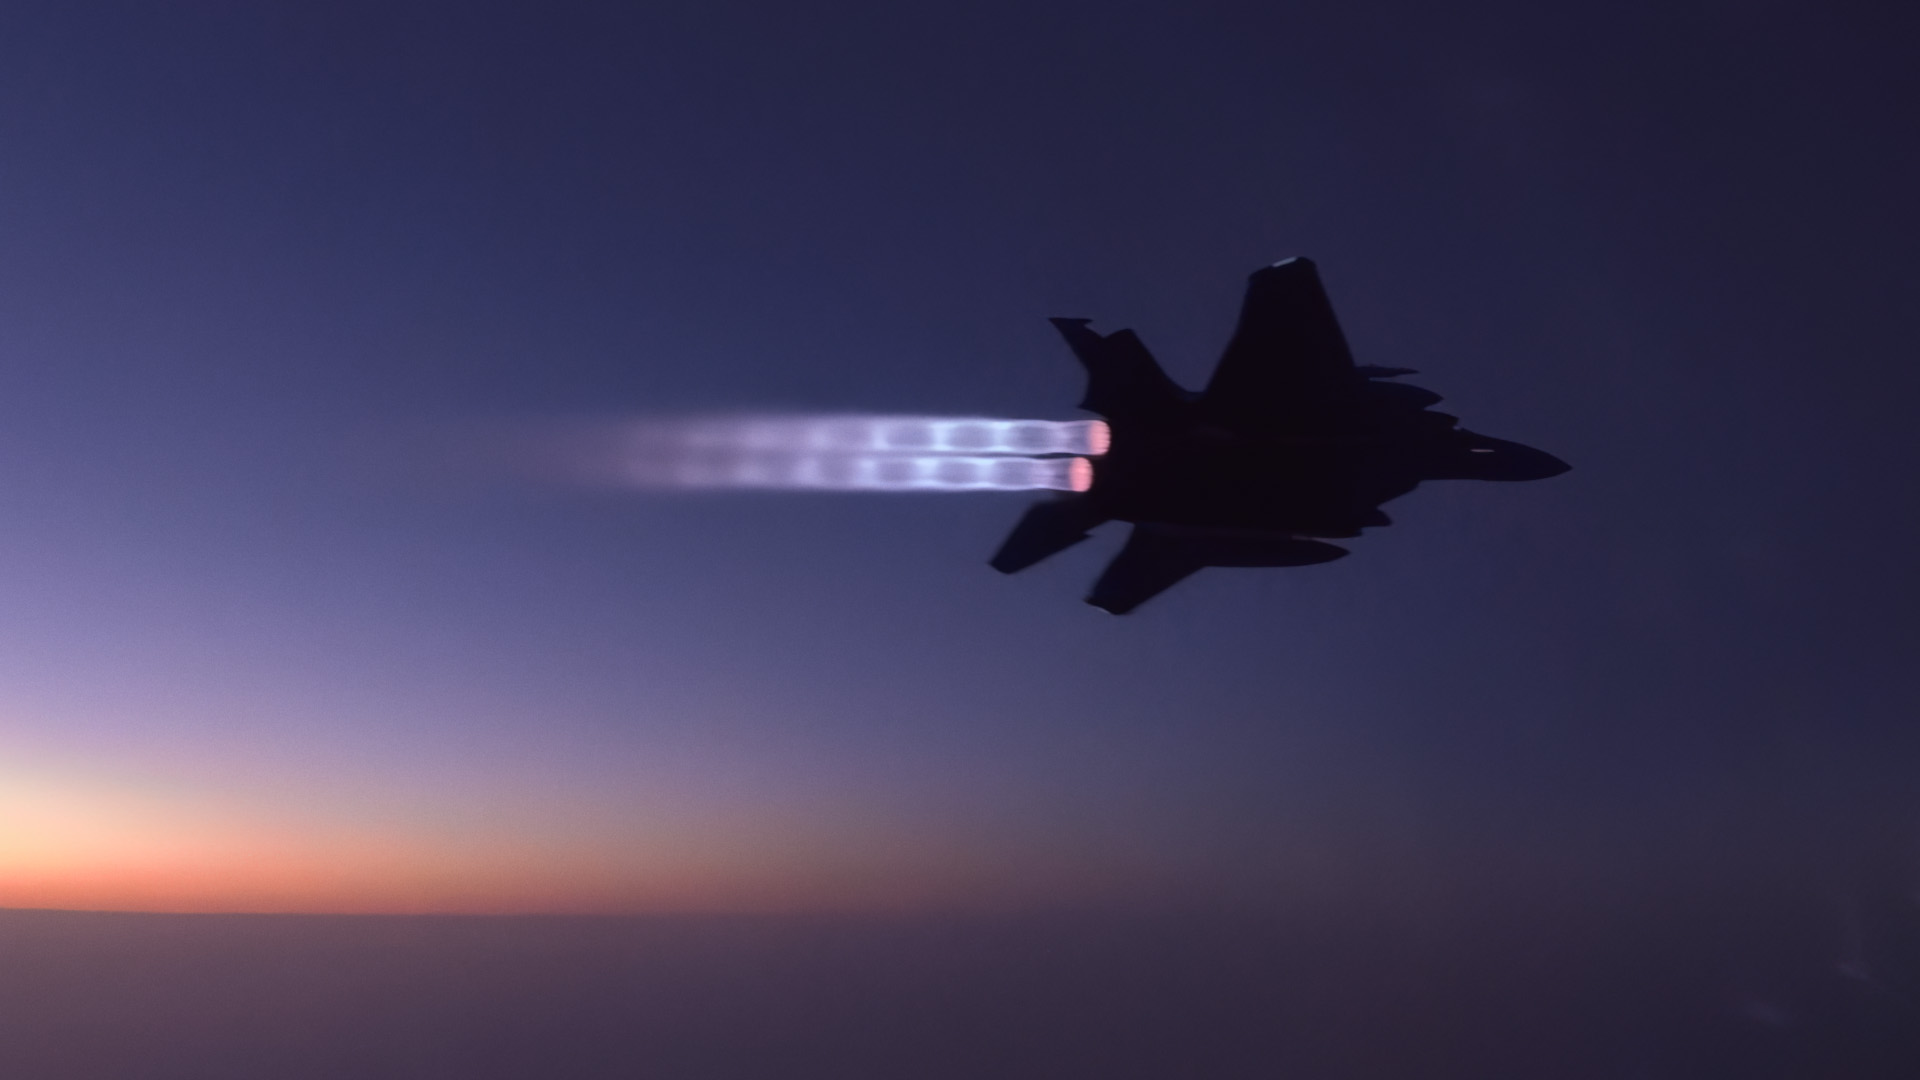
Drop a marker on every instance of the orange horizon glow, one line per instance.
(91, 844)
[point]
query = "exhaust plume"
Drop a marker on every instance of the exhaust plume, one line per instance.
(837, 453)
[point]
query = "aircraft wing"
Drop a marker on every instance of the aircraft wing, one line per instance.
(1154, 561)
(1288, 358)
(1150, 564)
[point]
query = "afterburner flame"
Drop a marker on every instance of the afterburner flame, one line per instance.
(845, 453)
(847, 472)
(906, 435)
(1080, 475)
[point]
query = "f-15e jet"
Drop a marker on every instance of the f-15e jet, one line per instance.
(1290, 445)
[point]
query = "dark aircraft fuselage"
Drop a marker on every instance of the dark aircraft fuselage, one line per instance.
(1290, 444)
(1199, 476)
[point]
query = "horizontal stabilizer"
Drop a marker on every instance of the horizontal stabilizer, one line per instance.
(1124, 382)
(1047, 529)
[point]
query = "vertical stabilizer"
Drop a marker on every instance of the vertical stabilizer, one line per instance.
(1124, 381)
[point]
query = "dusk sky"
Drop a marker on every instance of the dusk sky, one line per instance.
(254, 657)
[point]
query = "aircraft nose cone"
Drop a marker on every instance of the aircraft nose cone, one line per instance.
(1497, 459)
(1539, 465)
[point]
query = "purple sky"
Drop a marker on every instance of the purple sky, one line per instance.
(245, 665)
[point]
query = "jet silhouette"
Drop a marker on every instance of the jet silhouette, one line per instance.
(1290, 444)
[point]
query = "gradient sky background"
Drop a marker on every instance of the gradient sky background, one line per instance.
(248, 665)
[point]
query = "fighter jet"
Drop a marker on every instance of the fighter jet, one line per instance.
(1291, 444)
